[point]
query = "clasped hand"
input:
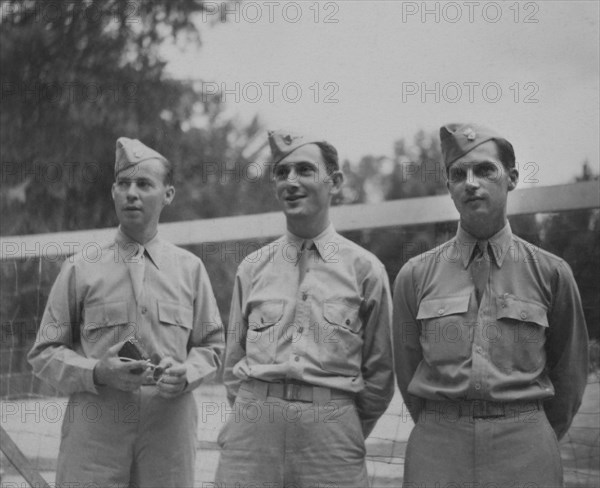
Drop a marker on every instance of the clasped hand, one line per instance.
(129, 375)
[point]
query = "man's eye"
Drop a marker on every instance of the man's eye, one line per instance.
(281, 173)
(306, 171)
(122, 184)
(486, 171)
(457, 174)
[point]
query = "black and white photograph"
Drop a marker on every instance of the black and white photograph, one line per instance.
(299, 244)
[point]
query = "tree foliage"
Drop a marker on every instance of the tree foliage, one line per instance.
(78, 75)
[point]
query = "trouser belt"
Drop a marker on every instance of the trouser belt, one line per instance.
(297, 391)
(480, 409)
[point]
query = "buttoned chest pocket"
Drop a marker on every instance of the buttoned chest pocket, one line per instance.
(518, 342)
(176, 322)
(446, 334)
(339, 338)
(263, 331)
(105, 324)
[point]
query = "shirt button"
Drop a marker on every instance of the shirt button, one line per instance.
(296, 359)
(300, 330)
(477, 386)
(523, 315)
(440, 311)
(347, 321)
(304, 297)
(144, 310)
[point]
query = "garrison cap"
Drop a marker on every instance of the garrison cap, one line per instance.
(284, 142)
(131, 152)
(459, 139)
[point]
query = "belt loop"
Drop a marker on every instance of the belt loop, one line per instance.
(321, 395)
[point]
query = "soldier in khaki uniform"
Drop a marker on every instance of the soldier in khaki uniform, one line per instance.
(122, 427)
(490, 340)
(308, 358)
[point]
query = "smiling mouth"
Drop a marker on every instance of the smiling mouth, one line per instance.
(294, 198)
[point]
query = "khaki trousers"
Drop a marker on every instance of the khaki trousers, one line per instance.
(449, 450)
(128, 439)
(270, 442)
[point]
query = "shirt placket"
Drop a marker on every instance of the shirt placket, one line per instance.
(480, 352)
(138, 271)
(303, 307)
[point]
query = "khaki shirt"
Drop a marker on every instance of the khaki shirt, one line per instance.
(324, 319)
(527, 339)
(92, 306)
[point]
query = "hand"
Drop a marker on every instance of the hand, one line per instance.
(242, 370)
(112, 371)
(173, 381)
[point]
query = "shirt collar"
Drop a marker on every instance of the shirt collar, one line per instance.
(320, 241)
(499, 243)
(152, 247)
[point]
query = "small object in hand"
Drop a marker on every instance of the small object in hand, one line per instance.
(133, 350)
(158, 370)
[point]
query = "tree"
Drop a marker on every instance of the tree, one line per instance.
(575, 236)
(75, 77)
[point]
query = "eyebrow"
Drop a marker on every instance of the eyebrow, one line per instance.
(462, 165)
(296, 163)
(129, 178)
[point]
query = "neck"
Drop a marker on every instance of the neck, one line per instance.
(141, 236)
(306, 229)
(483, 230)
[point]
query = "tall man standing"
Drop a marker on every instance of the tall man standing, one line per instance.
(308, 358)
(124, 426)
(490, 338)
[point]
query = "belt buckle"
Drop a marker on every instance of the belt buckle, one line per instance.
(291, 392)
(483, 409)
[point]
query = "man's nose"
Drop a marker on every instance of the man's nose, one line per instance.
(132, 191)
(292, 177)
(472, 181)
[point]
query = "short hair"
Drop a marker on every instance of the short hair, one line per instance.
(169, 178)
(330, 156)
(506, 153)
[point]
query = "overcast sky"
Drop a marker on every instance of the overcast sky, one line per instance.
(390, 68)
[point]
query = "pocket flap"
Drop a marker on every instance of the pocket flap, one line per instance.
(340, 313)
(439, 307)
(175, 314)
(512, 308)
(106, 315)
(266, 314)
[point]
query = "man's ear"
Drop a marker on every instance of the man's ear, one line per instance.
(513, 178)
(169, 195)
(337, 181)
(112, 190)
